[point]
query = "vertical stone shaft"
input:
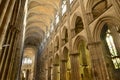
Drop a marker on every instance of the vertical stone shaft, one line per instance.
(4, 54)
(13, 56)
(63, 70)
(3, 8)
(8, 58)
(5, 22)
(55, 72)
(49, 73)
(75, 66)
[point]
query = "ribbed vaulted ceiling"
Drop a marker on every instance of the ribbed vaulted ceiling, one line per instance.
(39, 17)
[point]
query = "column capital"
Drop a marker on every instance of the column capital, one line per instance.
(55, 64)
(50, 67)
(74, 54)
(46, 69)
(63, 60)
(88, 12)
(94, 43)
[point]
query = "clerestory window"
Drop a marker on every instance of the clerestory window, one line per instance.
(57, 18)
(113, 51)
(27, 60)
(71, 1)
(64, 7)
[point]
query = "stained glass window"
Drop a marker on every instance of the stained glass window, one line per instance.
(57, 18)
(64, 7)
(27, 60)
(112, 49)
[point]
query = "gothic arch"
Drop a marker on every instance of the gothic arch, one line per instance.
(34, 29)
(65, 53)
(106, 32)
(63, 32)
(77, 42)
(76, 24)
(64, 35)
(32, 40)
(50, 62)
(73, 19)
(56, 45)
(101, 22)
(32, 13)
(56, 59)
(79, 47)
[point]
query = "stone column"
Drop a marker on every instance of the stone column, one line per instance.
(99, 70)
(49, 73)
(55, 72)
(5, 42)
(46, 74)
(3, 8)
(16, 64)
(27, 74)
(75, 66)
(4, 54)
(13, 56)
(63, 70)
(8, 58)
(5, 23)
(97, 59)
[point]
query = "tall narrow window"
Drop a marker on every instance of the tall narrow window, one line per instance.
(113, 50)
(27, 60)
(57, 18)
(71, 1)
(78, 25)
(64, 7)
(52, 27)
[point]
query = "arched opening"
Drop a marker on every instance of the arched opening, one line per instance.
(56, 68)
(64, 36)
(109, 37)
(66, 64)
(65, 53)
(84, 58)
(51, 49)
(28, 63)
(57, 60)
(56, 44)
(99, 7)
(78, 25)
(85, 64)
